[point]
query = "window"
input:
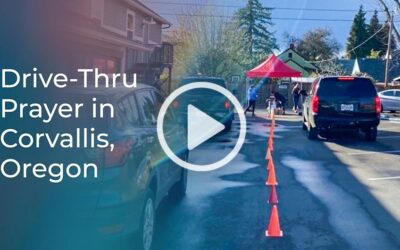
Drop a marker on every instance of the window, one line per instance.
(128, 109)
(357, 88)
(170, 117)
(130, 25)
(388, 93)
(131, 22)
(159, 100)
(147, 107)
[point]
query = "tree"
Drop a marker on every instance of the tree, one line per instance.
(374, 54)
(389, 14)
(377, 43)
(330, 67)
(358, 35)
(206, 44)
(254, 20)
(316, 45)
(384, 37)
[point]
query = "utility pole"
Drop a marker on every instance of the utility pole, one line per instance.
(389, 50)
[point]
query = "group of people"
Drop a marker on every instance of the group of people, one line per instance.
(279, 99)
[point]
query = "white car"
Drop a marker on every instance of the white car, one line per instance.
(390, 100)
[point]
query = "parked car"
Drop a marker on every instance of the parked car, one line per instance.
(342, 103)
(137, 174)
(390, 100)
(213, 103)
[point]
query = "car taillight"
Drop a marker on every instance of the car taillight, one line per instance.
(175, 104)
(346, 78)
(119, 154)
(227, 104)
(314, 104)
(378, 105)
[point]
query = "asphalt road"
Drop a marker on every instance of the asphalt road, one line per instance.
(341, 193)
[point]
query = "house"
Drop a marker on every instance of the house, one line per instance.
(375, 68)
(292, 58)
(120, 36)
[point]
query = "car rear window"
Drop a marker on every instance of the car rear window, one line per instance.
(346, 87)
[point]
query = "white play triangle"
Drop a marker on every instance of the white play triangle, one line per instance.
(201, 127)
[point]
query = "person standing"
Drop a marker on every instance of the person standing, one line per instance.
(251, 98)
(296, 97)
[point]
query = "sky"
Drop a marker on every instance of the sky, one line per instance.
(342, 10)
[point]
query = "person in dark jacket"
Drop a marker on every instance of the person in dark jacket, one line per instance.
(280, 100)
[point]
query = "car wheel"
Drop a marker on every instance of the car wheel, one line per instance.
(228, 126)
(178, 191)
(371, 134)
(146, 230)
(312, 132)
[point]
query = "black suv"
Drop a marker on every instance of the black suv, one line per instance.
(342, 103)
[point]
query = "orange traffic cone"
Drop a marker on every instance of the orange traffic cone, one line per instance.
(273, 196)
(274, 228)
(270, 164)
(268, 156)
(270, 144)
(271, 181)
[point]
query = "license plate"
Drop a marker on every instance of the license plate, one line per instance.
(347, 107)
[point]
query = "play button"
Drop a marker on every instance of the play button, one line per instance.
(201, 127)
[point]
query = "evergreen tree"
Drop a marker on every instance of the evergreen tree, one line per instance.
(377, 43)
(358, 35)
(384, 37)
(254, 21)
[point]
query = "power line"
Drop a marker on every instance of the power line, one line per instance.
(273, 18)
(353, 49)
(361, 44)
(240, 6)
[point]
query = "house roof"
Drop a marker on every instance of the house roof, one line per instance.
(273, 67)
(140, 6)
(298, 62)
(375, 68)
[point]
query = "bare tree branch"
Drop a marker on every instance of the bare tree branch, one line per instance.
(398, 3)
(388, 14)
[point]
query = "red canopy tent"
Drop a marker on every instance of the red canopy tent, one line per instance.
(273, 67)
